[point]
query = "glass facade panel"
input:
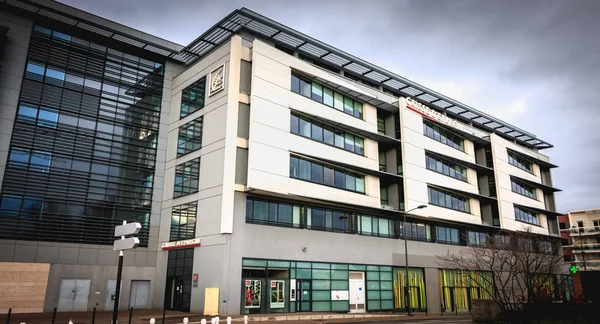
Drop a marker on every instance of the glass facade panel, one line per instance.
(187, 176)
(444, 199)
(313, 172)
(457, 287)
(192, 97)
(183, 222)
(190, 137)
(92, 149)
(443, 135)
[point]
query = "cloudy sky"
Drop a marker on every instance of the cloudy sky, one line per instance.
(534, 64)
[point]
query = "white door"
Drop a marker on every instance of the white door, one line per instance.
(357, 292)
(138, 297)
(74, 295)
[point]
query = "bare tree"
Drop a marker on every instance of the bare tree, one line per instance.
(518, 269)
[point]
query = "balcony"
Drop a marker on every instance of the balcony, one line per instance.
(582, 230)
(587, 248)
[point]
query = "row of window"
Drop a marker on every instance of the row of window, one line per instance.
(329, 176)
(523, 189)
(526, 216)
(448, 200)
(123, 92)
(519, 161)
(297, 216)
(327, 96)
(445, 167)
(35, 160)
(325, 134)
(443, 136)
(114, 54)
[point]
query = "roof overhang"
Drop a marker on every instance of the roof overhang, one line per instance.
(76, 18)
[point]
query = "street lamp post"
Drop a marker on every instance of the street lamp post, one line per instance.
(406, 287)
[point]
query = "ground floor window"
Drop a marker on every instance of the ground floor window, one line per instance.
(416, 286)
(276, 286)
(458, 288)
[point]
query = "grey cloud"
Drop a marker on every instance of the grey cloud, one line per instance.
(543, 53)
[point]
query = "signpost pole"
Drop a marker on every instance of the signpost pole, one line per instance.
(118, 288)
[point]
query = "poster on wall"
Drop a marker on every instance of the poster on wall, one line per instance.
(277, 294)
(252, 293)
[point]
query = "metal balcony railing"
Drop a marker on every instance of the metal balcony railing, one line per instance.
(582, 230)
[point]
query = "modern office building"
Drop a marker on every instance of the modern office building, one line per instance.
(259, 161)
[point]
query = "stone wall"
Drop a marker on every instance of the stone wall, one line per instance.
(23, 286)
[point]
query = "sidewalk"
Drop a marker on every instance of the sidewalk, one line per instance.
(173, 317)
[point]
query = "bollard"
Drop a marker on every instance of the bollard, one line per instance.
(164, 311)
(228, 320)
(217, 320)
(203, 321)
(152, 320)
(54, 316)
(185, 320)
(94, 315)
(130, 314)
(212, 320)
(8, 316)
(245, 319)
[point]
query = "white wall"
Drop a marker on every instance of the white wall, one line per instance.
(417, 176)
(270, 140)
(506, 197)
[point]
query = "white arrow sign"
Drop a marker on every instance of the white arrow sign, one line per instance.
(128, 229)
(126, 243)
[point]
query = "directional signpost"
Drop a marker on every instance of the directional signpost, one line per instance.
(120, 245)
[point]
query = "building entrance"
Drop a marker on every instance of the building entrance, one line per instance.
(178, 292)
(303, 301)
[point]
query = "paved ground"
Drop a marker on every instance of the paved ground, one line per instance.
(171, 317)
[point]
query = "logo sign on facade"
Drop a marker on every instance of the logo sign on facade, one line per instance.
(423, 110)
(217, 80)
(180, 244)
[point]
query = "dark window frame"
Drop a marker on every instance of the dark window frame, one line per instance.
(187, 143)
(357, 107)
(189, 173)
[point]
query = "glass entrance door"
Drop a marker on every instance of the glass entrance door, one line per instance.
(174, 297)
(303, 302)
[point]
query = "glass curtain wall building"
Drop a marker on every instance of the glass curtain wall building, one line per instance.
(83, 150)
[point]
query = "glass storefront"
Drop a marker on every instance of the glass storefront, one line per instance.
(416, 285)
(458, 288)
(275, 286)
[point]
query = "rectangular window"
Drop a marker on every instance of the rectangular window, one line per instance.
(380, 125)
(476, 238)
(192, 97)
(187, 176)
(445, 199)
(190, 137)
(383, 195)
(183, 222)
(327, 96)
(416, 231)
(526, 216)
(523, 189)
(447, 235)
(519, 161)
(316, 172)
(323, 134)
(443, 166)
(443, 136)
